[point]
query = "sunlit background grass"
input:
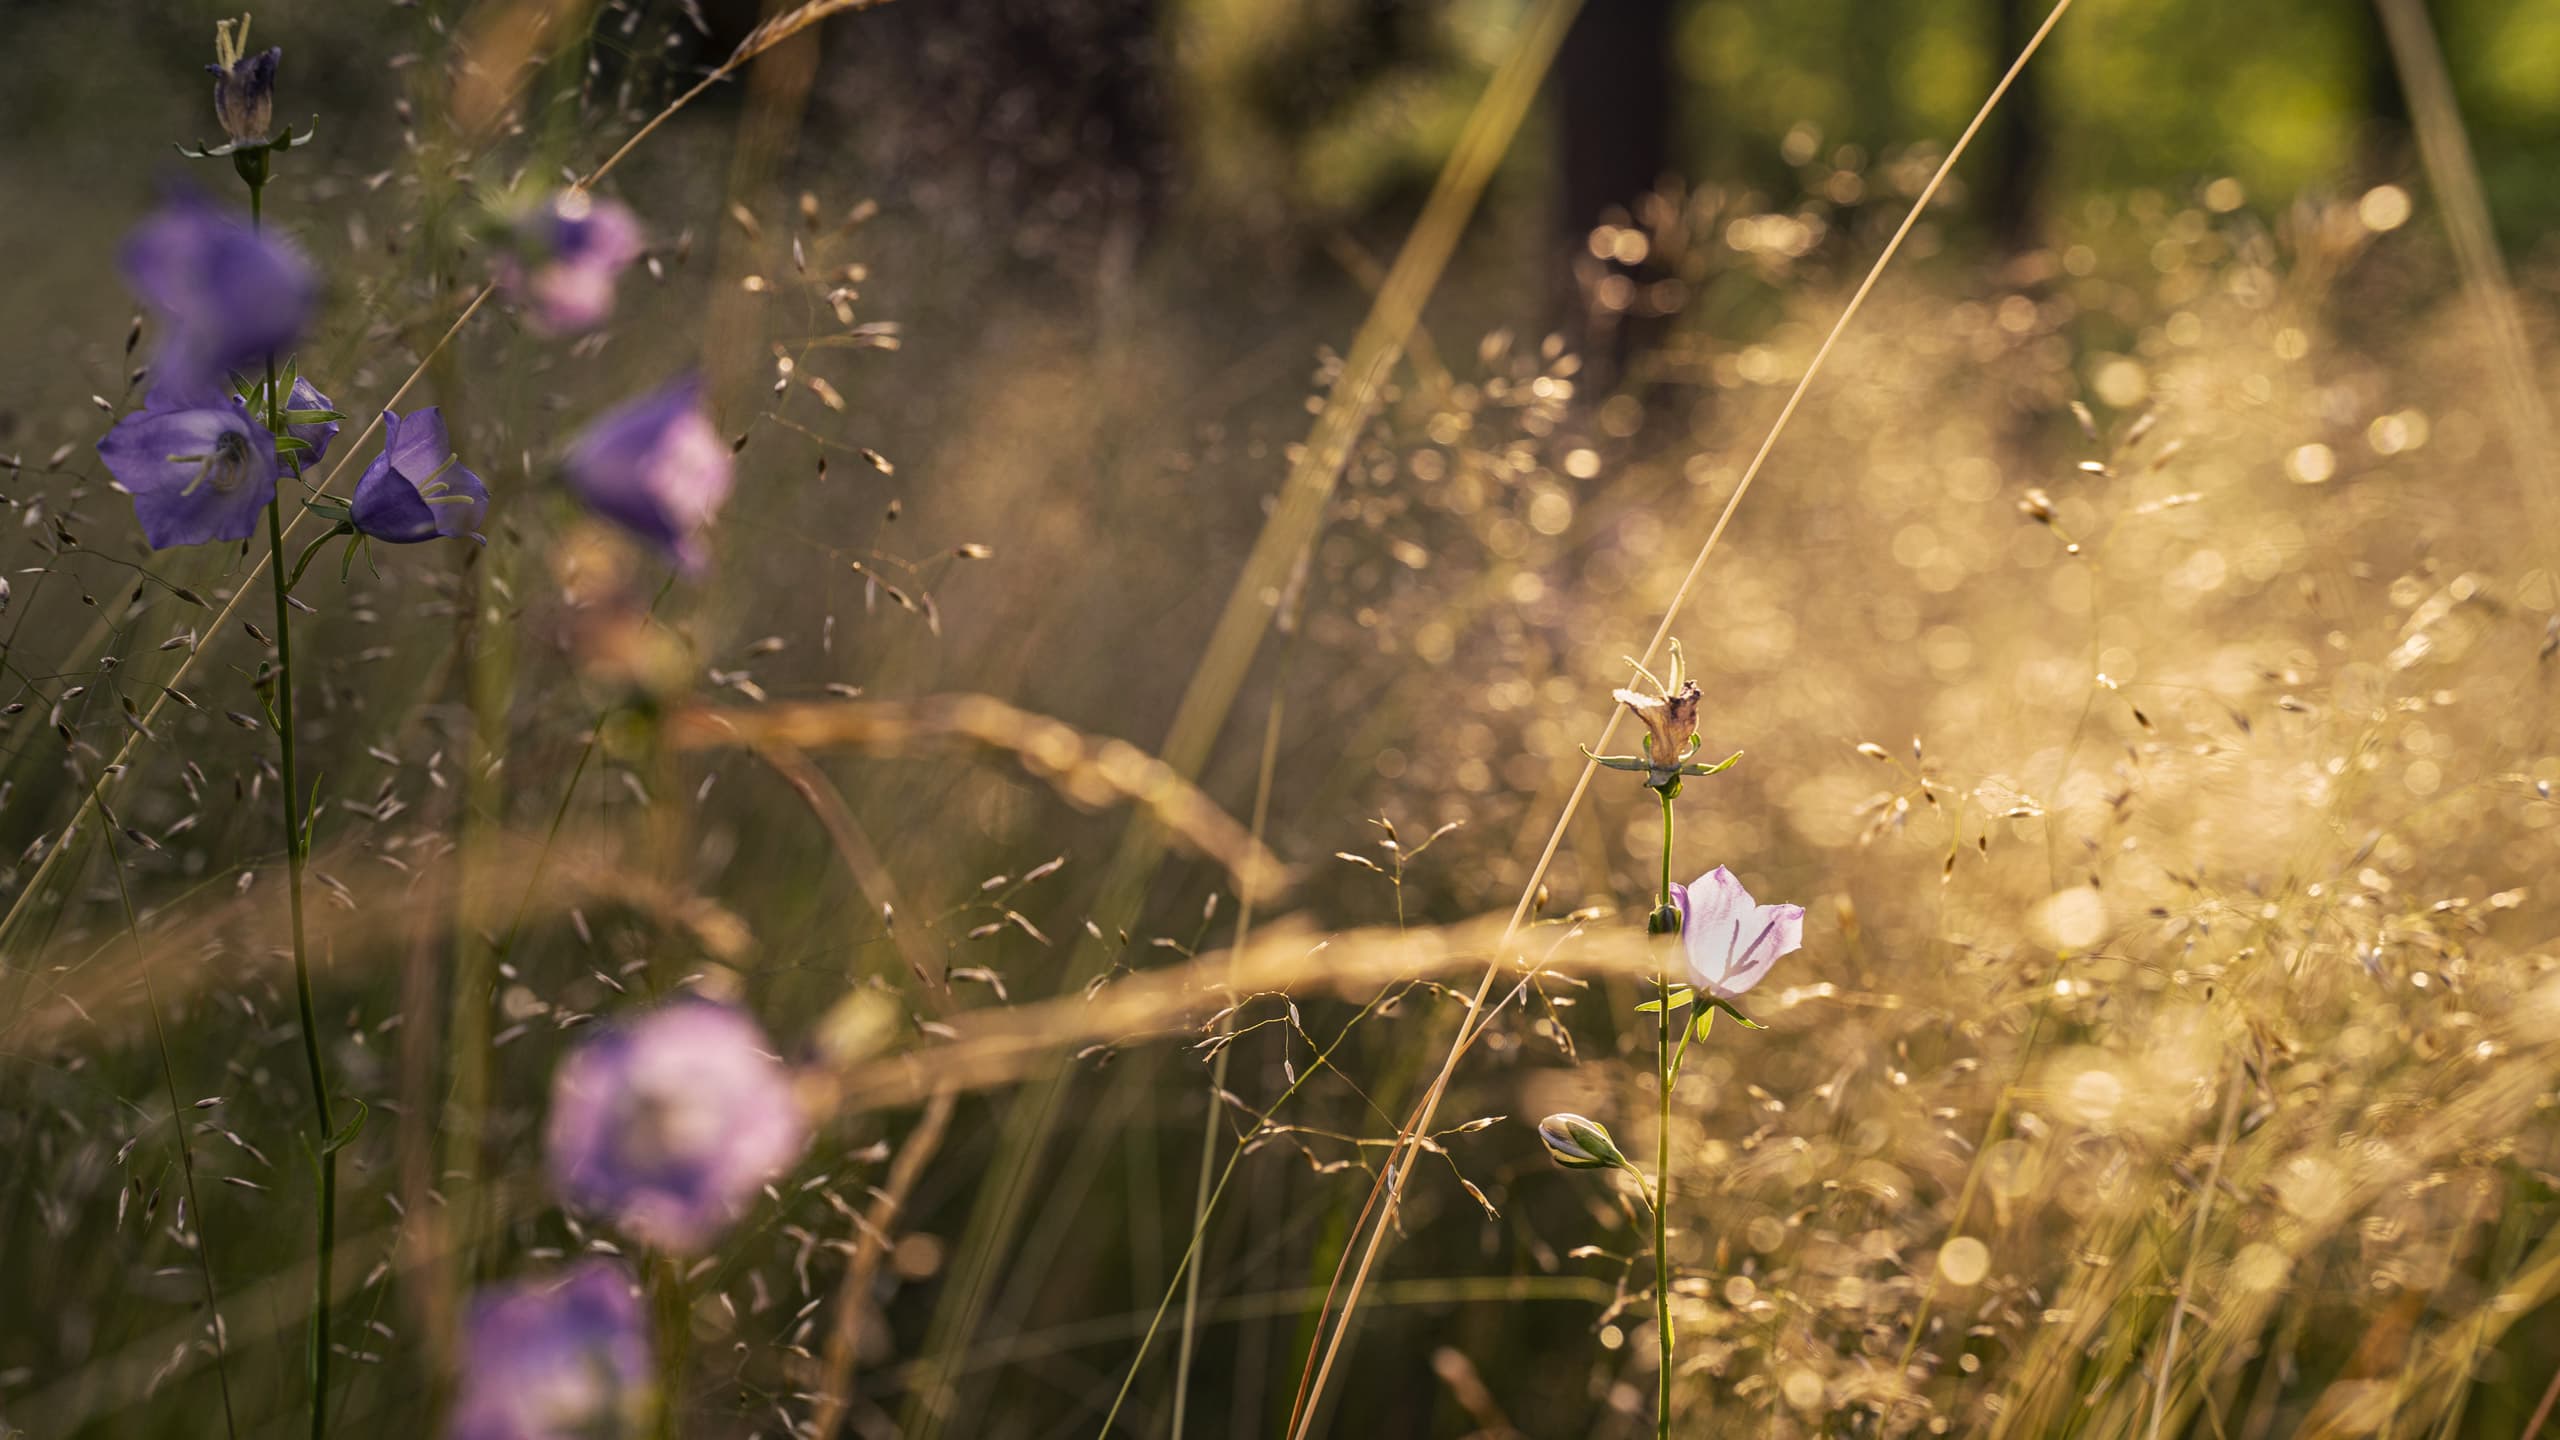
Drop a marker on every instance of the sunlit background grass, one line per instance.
(2140, 641)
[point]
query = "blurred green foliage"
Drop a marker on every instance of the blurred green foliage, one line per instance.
(1340, 105)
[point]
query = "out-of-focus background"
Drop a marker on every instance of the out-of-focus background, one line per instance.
(2173, 1046)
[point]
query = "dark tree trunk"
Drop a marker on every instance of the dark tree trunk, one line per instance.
(2015, 199)
(2384, 144)
(1615, 113)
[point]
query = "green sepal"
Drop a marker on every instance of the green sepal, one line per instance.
(1618, 762)
(1707, 1016)
(1680, 995)
(311, 417)
(1665, 778)
(252, 152)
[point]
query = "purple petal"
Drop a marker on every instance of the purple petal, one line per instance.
(564, 1355)
(318, 433)
(1718, 896)
(416, 490)
(571, 252)
(1770, 932)
(197, 475)
(227, 296)
(1712, 908)
(671, 1125)
(416, 444)
(655, 467)
(388, 507)
(454, 517)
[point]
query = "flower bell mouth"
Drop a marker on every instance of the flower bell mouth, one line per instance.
(223, 470)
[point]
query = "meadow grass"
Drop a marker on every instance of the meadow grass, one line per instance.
(2139, 649)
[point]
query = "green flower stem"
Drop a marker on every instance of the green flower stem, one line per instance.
(297, 852)
(1665, 1071)
(674, 1308)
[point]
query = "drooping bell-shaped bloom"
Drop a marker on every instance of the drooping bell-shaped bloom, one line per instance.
(655, 467)
(1731, 939)
(198, 473)
(417, 489)
(568, 253)
(244, 84)
(315, 433)
(227, 296)
(669, 1125)
(562, 1357)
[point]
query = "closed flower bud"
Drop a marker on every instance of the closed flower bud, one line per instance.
(1665, 920)
(1578, 1142)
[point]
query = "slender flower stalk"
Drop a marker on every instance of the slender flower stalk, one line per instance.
(297, 851)
(1666, 1071)
(1726, 941)
(674, 1309)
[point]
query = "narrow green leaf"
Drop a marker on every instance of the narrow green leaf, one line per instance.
(347, 1133)
(1727, 1007)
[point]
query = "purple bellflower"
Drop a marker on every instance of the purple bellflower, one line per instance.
(244, 84)
(305, 398)
(564, 1357)
(198, 472)
(1731, 939)
(417, 489)
(669, 1124)
(655, 467)
(227, 297)
(568, 252)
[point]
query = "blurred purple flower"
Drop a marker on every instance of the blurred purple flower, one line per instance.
(669, 1124)
(316, 433)
(417, 489)
(244, 85)
(1731, 939)
(227, 297)
(569, 250)
(655, 467)
(565, 1357)
(197, 473)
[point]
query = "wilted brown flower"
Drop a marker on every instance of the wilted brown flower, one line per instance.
(1670, 721)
